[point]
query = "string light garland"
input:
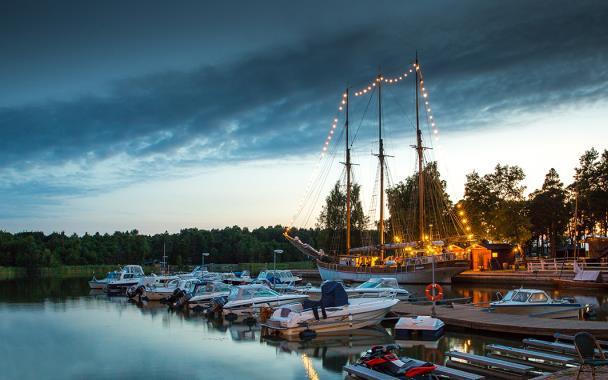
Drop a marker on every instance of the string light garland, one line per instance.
(364, 90)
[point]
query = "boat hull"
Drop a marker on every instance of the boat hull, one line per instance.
(443, 274)
(554, 311)
(349, 319)
(424, 335)
(97, 285)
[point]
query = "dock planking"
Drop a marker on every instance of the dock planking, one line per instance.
(471, 317)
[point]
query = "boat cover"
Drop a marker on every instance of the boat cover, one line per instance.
(332, 295)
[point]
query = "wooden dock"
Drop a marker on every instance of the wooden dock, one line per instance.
(471, 317)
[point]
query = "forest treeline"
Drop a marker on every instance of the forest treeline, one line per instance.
(230, 245)
(494, 208)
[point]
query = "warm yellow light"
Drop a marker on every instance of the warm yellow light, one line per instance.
(494, 255)
(470, 236)
(461, 213)
(468, 228)
(458, 205)
(397, 239)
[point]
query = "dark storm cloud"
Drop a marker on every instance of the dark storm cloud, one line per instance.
(482, 61)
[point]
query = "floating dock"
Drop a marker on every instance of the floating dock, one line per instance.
(475, 318)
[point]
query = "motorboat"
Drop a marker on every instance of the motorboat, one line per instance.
(421, 327)
(159, 293)
(374, 287)
(241, 278)
(101, 283)
(278, 277)
(151, 281)
(334, 312)
(535, 302)
(203, 294)
(128, 276)
(245, 300)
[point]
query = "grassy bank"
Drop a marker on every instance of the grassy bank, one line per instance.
(66, 271)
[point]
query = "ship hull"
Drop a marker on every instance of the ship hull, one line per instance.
(443, 273)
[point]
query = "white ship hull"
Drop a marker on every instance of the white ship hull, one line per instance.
(443, 275)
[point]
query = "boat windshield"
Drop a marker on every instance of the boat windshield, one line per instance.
(370, 284)
(243, 293)
(212, 287)
(521, 297)
(508, 296)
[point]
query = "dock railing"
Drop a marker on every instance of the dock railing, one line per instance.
(564, 265)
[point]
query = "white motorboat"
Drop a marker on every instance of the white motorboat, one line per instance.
(159, 293)
(204, 293)
(152, 281)
(334, 312)
(101, 283)
(422, 327)
(275, 277)
(246, 300)
(128, 276)
(374, 287)
(535, 302)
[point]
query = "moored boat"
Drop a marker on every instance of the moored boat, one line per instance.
(428, 240)
(535, 302)
(127, 277)
(245, 300)
(101, 283)
(203, 294)
(334, 312)
(374, 287)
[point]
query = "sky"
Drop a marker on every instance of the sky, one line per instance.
(159, 116)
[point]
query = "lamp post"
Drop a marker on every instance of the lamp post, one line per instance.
(274, 269)
(203, 259)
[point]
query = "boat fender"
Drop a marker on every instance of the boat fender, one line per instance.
(434, 292)
(308, 334)
(231, 317)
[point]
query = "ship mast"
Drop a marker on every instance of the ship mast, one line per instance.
(348, 179)
(381, 159)
(420, 150)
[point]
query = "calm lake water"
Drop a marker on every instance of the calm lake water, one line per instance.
(57, 329)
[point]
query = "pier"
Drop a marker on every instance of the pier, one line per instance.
(471, 317)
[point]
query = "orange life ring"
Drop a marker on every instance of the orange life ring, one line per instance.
(428, 291)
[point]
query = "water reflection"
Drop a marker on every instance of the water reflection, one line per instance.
(75, 333)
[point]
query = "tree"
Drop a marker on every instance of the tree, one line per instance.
(403, 206)
(332, 219)
(590, 189)
(549, 211)
(496, 205)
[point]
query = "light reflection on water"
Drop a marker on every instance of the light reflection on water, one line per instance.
(54, 328)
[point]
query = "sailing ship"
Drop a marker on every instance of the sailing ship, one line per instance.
(427, 257)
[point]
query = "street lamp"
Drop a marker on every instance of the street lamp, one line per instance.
(203, 259)
(274, 270)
